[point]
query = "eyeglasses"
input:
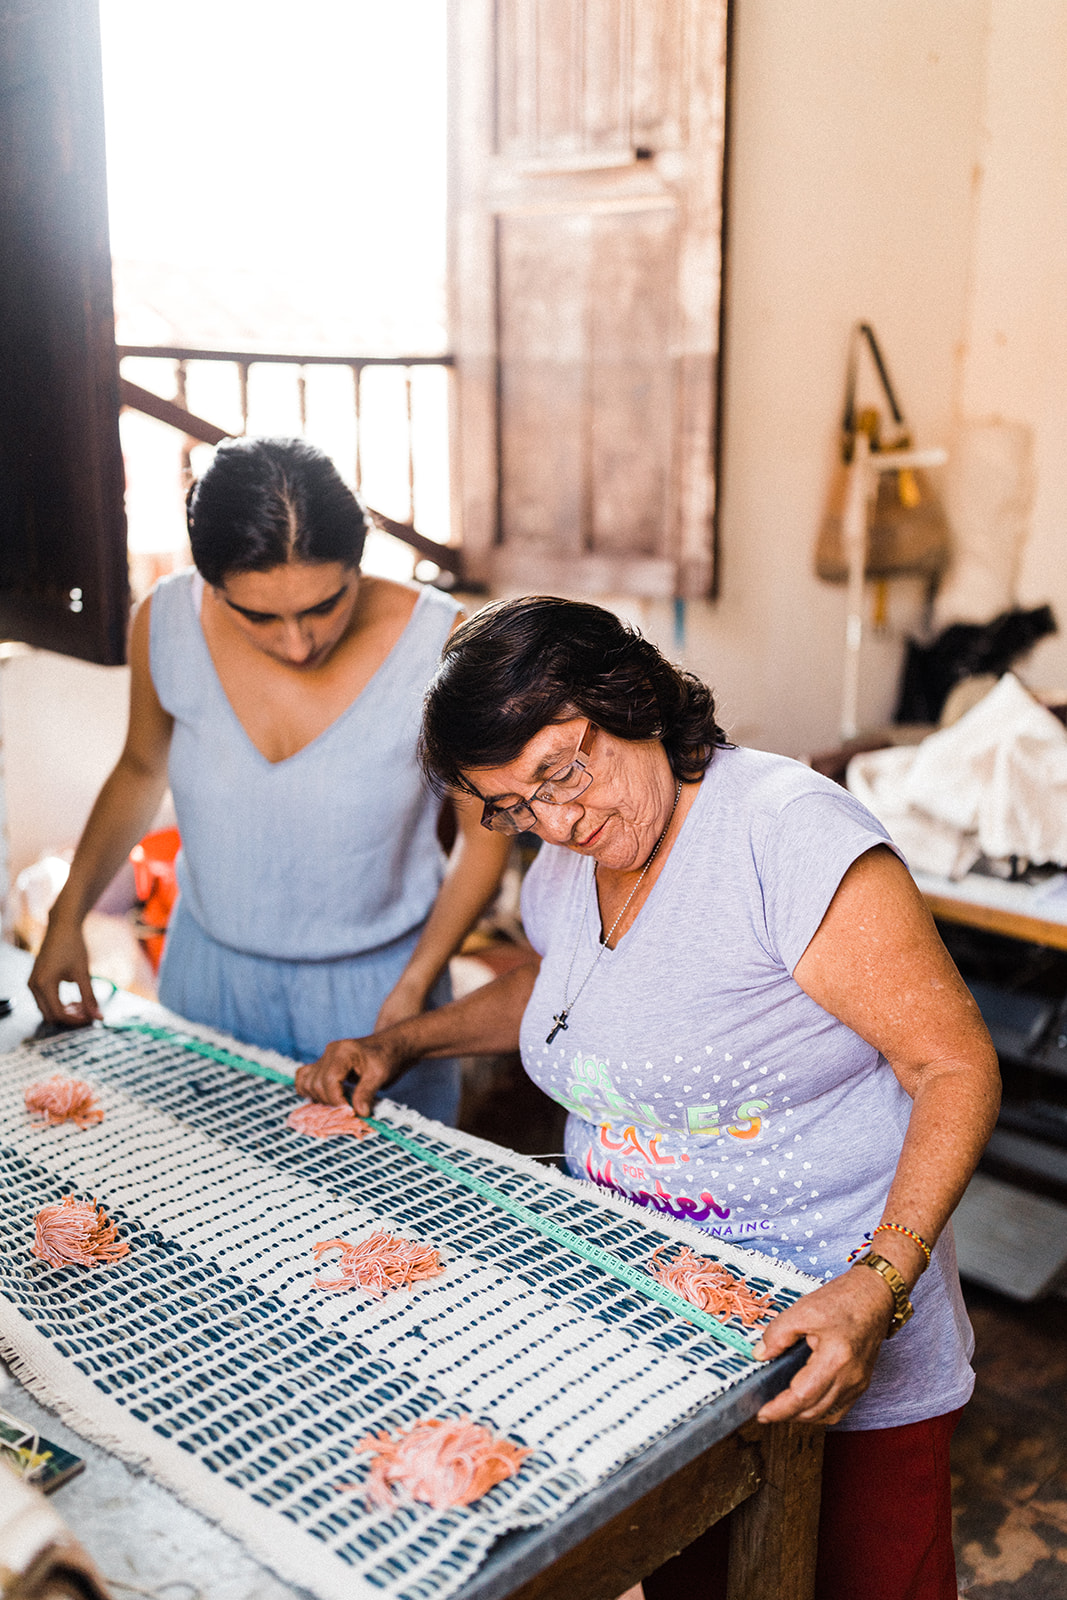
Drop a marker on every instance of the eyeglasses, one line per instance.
(557, 790)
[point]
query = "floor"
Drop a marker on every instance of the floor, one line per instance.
(1009, 1456)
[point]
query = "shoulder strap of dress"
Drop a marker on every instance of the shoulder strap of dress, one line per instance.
(174, 623)
(436, 613)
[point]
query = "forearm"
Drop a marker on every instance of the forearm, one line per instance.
(484, 1022)
(123, 812)
(470, 882)
(952, 1117)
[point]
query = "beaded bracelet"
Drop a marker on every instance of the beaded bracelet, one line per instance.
(898, 1227)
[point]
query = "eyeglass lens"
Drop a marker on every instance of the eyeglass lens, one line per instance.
(555, 791)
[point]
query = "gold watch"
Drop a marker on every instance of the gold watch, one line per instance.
(902, 1306)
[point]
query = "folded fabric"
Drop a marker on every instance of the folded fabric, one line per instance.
(39, 1558)
(993, 784)
(877, 778)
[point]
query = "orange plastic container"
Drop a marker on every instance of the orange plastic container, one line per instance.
(156, 887)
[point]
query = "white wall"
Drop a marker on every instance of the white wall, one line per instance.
(903, 162)
(855, 133)
(1015, 352)
(63, 725)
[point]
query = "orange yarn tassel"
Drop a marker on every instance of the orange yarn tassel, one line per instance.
(379, 1263)
(63, 1100)
(326, 1122)
(440, 1462)
(77, 1232)
(710, 1286)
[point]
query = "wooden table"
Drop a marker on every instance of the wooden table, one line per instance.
(765, 1479)
(1008, 1237)
(1017, 910)
(717, 1463)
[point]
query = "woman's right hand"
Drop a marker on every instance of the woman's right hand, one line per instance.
(845, 1322)
(484, 1022)
(63, 958)
(370, 1063)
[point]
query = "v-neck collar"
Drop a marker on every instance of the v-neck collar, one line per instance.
(196, 592)
(591, 921)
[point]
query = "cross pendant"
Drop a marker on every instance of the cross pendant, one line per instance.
(561, 1022)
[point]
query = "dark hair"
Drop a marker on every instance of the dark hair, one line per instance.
(520, 665)
(263, 502)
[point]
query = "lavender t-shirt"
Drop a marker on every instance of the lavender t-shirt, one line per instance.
(703, 1082)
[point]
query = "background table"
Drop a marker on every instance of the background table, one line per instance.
(1018, 910)
(1011, 1225)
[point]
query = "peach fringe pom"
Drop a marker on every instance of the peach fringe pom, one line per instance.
(442, 1463)
(710, 1286)
(378, 1264)
(77, 1232)
(63, 1100)
(326, 1122)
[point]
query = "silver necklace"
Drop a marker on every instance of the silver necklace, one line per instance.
(560, 1018)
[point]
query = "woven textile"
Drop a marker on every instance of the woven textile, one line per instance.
(206, 1355)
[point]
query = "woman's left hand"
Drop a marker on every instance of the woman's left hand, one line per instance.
(845, 1323)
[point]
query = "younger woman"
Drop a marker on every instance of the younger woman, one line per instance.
(282, 690)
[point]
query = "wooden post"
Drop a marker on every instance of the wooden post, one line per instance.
(773, 1534)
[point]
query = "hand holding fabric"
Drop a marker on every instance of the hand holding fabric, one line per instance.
(63, 958)
(368, 1064)
(845, 1323)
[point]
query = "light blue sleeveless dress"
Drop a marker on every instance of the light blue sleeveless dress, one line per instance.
(304, 883)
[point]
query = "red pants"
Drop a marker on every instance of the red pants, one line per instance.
(885, 1527)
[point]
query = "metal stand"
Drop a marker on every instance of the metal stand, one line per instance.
(862, 487)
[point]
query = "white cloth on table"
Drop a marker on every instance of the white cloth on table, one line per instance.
(993, 784)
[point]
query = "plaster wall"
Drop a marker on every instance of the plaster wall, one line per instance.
(855, 134)
(63, 724)
(1015, 353)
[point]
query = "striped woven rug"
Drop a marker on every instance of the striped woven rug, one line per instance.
(207, 1356)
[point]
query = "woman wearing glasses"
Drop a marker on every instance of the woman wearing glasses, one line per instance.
(282, 690)
(743, 1003)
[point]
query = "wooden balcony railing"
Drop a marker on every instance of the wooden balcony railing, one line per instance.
(197, 429)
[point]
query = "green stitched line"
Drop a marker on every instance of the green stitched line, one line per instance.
(574, 1242)
(553, 1230)
(201, 1047)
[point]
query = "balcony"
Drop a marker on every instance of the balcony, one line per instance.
(383, 420)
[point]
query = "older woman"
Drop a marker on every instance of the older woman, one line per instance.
(743, 1003)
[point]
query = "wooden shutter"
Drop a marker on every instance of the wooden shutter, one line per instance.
(63, 576)
(587, 147)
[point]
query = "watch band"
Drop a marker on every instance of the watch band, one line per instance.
(902, 1306)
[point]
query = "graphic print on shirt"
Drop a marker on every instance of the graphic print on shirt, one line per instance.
(683, 1206)
(591, 1092)
(706, 1138)
(631, 1147)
